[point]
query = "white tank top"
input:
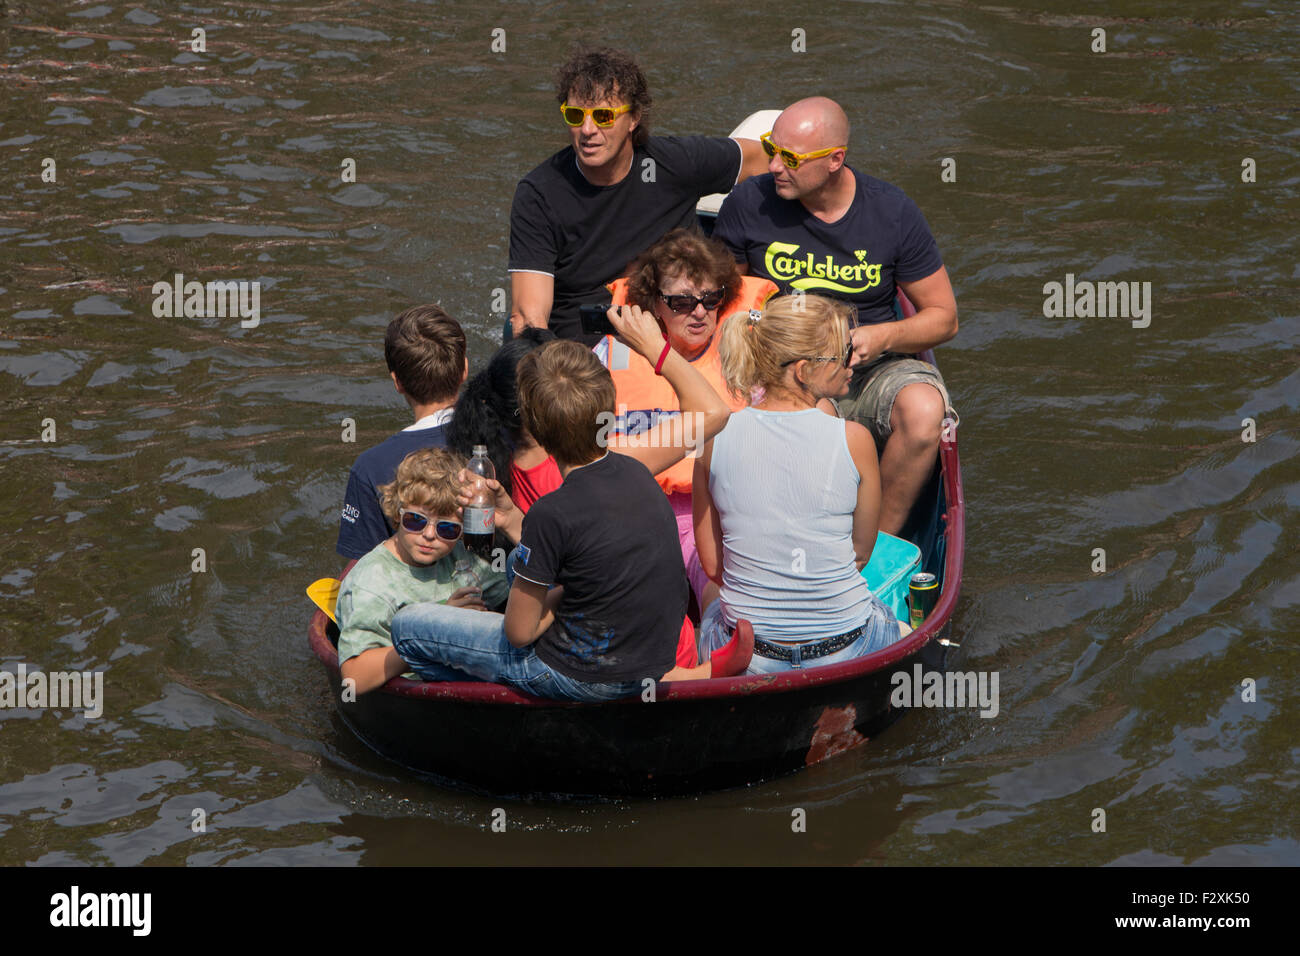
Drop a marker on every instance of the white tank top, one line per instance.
(785, 488)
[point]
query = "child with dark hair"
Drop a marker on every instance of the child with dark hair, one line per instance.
(424, 349)
(488, 414)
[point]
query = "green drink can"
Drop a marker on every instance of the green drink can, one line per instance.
(922, 595)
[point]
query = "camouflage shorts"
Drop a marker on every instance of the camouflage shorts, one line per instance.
(874, 387)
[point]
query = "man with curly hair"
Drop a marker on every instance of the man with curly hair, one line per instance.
(579, 218)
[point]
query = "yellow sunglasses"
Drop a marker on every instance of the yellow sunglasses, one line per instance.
(789, 156)
(602, 116)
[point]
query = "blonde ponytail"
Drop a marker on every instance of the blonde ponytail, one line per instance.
(755, 346)
(737, 354)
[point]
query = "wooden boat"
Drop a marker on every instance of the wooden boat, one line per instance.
(693, 736)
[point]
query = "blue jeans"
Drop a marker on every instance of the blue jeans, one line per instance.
(449, 643)
(880, 629)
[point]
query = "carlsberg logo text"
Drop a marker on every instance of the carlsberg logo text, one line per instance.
(807, 271)
(215, 300)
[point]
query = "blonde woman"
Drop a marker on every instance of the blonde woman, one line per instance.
(787, 498)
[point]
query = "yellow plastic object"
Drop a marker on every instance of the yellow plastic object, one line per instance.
(325, 594)
(606, 118)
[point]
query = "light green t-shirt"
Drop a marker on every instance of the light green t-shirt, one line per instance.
(381, 584)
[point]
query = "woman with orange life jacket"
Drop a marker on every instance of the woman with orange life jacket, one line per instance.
(688, 282)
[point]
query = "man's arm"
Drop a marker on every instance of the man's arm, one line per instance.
(531, 296)
(753, 161)
(935, 321)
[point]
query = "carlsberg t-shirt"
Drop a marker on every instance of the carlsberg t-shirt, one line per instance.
(881, 240)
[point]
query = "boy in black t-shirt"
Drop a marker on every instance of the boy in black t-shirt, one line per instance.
(607, 534)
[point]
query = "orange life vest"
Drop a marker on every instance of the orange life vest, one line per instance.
(642, 397)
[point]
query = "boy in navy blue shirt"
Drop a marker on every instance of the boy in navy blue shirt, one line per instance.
(424, 348)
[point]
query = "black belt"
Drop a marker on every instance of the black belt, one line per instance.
(797, 653)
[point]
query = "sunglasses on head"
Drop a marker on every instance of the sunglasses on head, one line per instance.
(846, 358)
(789, 156)
(682, 304)
(602, 116)
(415, 523)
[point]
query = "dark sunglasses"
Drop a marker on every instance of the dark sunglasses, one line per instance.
(682, 304)
(415, 523)
(846, 358)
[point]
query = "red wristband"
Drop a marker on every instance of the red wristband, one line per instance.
(659, 365)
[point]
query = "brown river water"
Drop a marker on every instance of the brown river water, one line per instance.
(1121, 690)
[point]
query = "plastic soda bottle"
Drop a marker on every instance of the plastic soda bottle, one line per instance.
(464, 575)
(479, 515)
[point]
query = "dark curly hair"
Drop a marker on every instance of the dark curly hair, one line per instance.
(687, 253)
(594, 73)
(488, 410)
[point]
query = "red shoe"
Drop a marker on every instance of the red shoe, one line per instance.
(733, 657)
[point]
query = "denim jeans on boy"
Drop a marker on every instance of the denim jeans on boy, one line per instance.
(447, 643)
(880, 629)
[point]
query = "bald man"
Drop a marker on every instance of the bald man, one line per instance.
(812, 224)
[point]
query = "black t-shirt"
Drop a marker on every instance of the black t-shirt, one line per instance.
(609, 536)
(586, 236)
(881, 240)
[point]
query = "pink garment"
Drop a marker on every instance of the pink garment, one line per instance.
(681, 504)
